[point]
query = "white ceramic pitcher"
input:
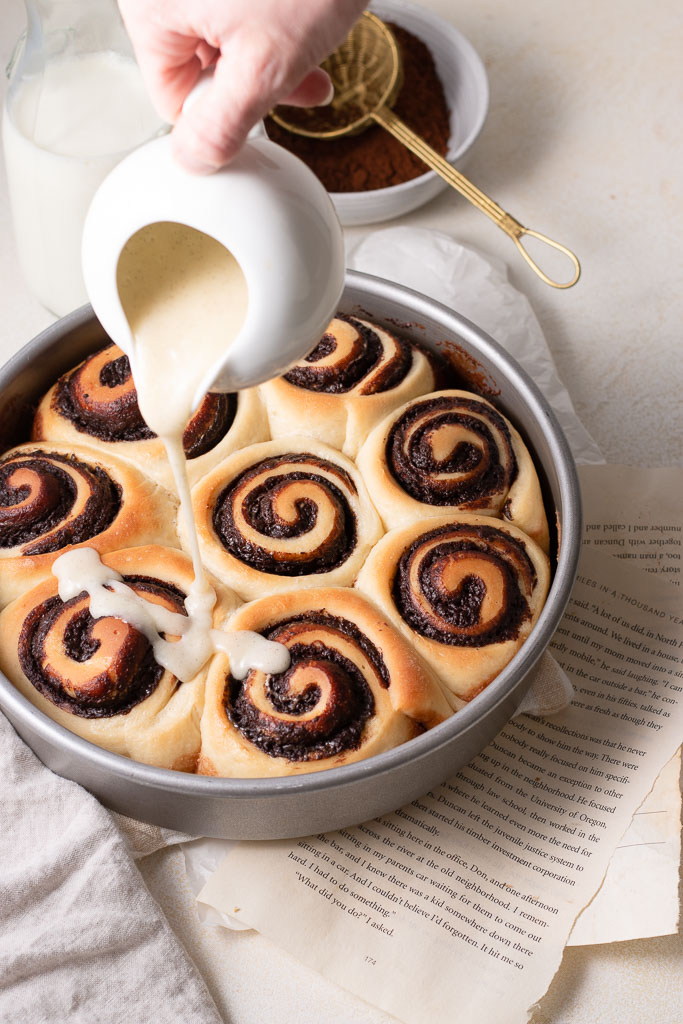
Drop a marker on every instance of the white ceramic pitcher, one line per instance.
(268, 209)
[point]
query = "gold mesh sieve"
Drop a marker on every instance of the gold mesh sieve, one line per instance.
(366, 74)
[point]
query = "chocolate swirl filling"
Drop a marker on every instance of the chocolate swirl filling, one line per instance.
(465, 585)
(363, 356)
(318, 707)
(40, 507)
(93, 668)
(477, 465)
(265, 502)
(100, 399)
(210, 424)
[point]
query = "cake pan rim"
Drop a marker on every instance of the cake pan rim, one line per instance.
(446, 734)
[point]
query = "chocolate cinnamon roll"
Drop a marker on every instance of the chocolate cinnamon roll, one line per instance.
(452, 451)
(98, 677)
(465, 590)
(354, 688)
(55, 496)
(96, 404)
(356, 375)
(282, 512)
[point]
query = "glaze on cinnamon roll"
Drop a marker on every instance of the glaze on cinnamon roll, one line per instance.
(452, 451)
(357, 373)
(53, 497)
(466, 590)
(98, 677)
(96, 404)
(283, 511)
(354, 688)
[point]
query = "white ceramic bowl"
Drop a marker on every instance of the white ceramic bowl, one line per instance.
(466, 88)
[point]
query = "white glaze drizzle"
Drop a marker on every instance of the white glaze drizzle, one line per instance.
(185, 298)
(82, 570)
(247, 650)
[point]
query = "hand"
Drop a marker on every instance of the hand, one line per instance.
(263, 52)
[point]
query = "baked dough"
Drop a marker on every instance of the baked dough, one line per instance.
(464, 590)
(284, 513)
(98, 677)
(96, 404)
(57, 496)
(354, 688)
(452, 451)
(357, 374)
(441, 603)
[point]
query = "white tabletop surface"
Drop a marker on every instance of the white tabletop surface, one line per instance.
(583, 141)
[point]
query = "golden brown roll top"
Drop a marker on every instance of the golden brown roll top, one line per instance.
(96, 404)
(441, 604)
(452, 451)
(354, 688)
(54, 496)
(464, 590)
(98, 677)
(356, 375)
(282, 512)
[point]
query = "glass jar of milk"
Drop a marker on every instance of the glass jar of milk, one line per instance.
(75, 106)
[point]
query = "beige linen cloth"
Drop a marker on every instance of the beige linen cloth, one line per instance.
(81, 939)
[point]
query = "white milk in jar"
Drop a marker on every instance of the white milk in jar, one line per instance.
(63, 131)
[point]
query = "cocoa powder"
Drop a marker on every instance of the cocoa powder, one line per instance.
(374, 158)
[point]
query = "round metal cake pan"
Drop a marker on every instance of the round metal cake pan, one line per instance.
(308, 804)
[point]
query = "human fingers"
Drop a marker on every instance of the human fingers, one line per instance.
(207, 54)
(261, 63)
(212, 131)
(248, 75)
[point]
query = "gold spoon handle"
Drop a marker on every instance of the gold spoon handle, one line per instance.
(388, 119)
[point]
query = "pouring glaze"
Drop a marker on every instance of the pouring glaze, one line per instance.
(271, 214)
